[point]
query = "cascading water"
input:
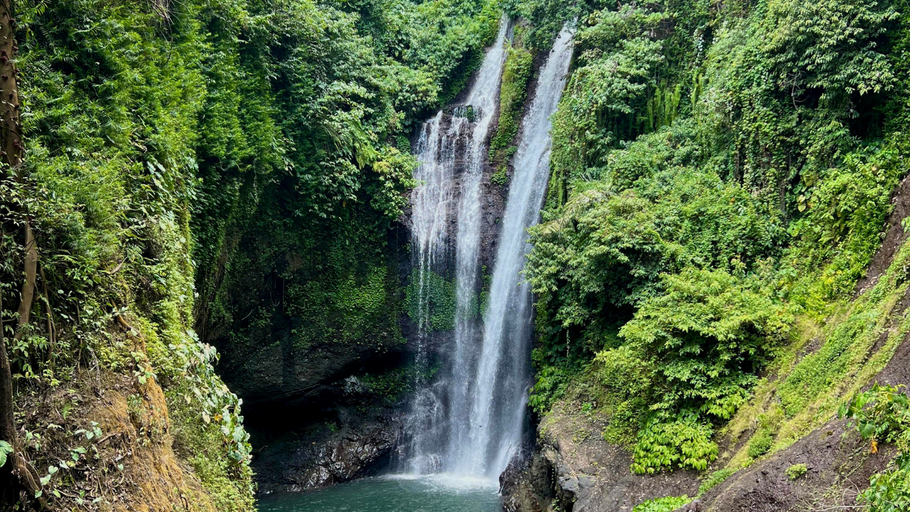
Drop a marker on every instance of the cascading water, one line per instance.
(497, 410)
(470, 421)
(439, 149)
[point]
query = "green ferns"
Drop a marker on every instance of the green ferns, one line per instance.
(668, 504)
(719, 174)
(683, 442)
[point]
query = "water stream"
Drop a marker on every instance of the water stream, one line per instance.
(498, 405)
(440, 150)
(470, 420)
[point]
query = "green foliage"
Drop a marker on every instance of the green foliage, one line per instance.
(681, 442)
(882, 414)
(552, 383)
(500, 177)
(599, 108)
(432, 298)
(848, 343)
(390, 386)
(668, 504)
(797, 470)
(831, 46)
(714, 479)
(5, 450)
(717, 170)
(226, 165)
(709, 333)
(206, 420)
(760, 444)
(515, 77)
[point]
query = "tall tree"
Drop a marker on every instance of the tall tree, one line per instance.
(17, 474)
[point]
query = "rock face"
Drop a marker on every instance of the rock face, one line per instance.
(576, 470)
(336, 455)
(579, 472)
(839, 465)
(527, 484)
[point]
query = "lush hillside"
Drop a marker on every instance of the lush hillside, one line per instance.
(184, 163)
(721, 177)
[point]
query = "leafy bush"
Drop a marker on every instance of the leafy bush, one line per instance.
(552, 383)
(797, 470)
(882, 414)
(709, 333)
(668, 504)
(681, 442)
(760, 444)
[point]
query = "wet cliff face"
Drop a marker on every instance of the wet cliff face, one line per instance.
(325, 395)
(313, 343)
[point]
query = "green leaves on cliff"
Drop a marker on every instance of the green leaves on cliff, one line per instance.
(882, 415)
(707, 336)
(430, 296)
(229, 165)
(683, 442)
(717, 169)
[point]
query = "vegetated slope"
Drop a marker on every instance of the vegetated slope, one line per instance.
(226, 167)
(722, 175)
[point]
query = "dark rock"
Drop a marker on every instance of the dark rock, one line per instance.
(526, 485)
(585, 473)
(351, 452)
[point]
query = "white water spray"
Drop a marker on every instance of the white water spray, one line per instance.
(470, 422)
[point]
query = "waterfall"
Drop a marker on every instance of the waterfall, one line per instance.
(470, 421)
(440, 150)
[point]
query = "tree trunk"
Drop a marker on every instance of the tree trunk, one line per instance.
(19, 474)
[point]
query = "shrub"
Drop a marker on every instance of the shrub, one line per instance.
(668, 504)
(882, 414)
(682, 442)
(797, 470)
(760, 444)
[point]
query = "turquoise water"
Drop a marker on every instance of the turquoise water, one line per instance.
(392, 494)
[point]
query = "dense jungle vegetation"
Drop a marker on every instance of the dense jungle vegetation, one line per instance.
(177, 153)
(721, 173)
(204, 170)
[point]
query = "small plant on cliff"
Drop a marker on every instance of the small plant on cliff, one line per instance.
(716, 478)
(682, 442)
(797, 470)
(667, 504)
(760, 444)
(500, 177)
(882, 415)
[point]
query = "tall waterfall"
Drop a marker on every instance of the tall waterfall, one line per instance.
(469, 421)
(446, 142)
